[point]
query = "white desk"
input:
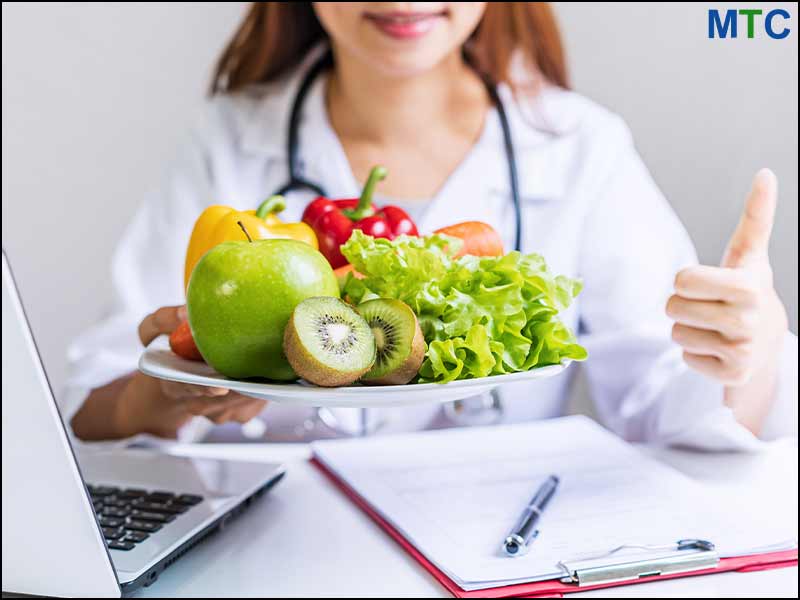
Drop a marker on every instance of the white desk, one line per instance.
(305, 538)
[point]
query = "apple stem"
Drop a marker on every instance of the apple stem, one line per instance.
(240, 224)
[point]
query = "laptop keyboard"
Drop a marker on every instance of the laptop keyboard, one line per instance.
(128, 516)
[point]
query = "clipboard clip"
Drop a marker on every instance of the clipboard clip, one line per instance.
(681, 557)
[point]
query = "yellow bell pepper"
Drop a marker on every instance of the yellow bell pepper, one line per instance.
(218, 224)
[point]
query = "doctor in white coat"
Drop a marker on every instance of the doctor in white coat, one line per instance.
(678, 353)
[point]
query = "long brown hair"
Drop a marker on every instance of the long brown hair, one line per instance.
(274, 37)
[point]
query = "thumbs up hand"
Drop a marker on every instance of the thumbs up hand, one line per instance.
(729, 319)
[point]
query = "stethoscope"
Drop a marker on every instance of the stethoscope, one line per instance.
(484, 410)
(297, 182)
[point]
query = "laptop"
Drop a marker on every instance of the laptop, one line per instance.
(102, 522)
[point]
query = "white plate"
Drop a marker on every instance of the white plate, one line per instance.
(159, 361)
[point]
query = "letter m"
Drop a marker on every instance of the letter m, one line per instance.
(715, 24)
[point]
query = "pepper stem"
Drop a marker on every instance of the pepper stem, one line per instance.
(240, 224)
(364, 206)
(271, 206)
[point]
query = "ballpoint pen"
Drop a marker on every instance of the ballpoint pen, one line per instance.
(524, 532)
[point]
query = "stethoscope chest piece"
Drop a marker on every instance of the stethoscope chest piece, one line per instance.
(486, 409)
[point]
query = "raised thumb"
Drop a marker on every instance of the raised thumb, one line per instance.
(750, 240)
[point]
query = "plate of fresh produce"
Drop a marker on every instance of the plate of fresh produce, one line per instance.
(405, 319)
(159, 361)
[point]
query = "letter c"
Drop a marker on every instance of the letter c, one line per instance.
(778, 12)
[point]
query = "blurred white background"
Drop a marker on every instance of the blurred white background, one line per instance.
(97, 97)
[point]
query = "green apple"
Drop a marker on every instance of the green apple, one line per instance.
(240, 297)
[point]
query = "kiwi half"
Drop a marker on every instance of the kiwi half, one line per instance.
(398, 339)
(328, 343)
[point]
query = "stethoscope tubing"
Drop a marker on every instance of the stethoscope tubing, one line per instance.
(297, 182)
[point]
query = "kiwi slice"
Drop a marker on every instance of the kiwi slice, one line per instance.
(328, 343)
(398, 339)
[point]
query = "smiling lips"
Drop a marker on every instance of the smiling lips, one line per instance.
(405, 25)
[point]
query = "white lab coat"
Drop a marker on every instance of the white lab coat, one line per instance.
(589, 206)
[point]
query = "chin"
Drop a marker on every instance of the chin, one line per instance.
(408, 65)
(404, 59)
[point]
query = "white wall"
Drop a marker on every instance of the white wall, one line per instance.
(706, 114)
(96, 98)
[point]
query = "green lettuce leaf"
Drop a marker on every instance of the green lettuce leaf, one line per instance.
(480, 315)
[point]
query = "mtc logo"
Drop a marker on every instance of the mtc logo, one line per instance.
(727, 26)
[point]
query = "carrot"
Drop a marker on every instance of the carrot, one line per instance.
(182, 343)
(341, 276)
(480, 239)
(341, 272)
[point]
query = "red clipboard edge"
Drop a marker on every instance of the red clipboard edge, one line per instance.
(551, 588)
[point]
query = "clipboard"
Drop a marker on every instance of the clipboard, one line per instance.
(686, 558)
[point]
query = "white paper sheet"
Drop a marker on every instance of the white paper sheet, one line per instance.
(455, 494)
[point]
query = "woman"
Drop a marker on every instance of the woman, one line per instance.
(716, 369)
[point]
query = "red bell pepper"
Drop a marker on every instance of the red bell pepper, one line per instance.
(334, 220)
